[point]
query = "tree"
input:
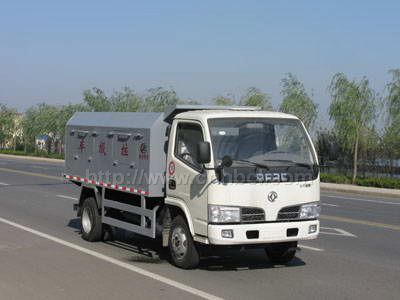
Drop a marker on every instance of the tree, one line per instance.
(330, 151)
(328, 148)
(29, 128)
(126, 100)
(189, 102)
(353, 111)
(255, 97)
(370, 146)
(96, 100)
(41, 119)
(159, 98)
(65, 112)
(391, 137)
(223, 101)
(391, 141)
(393, 97)
(296, 101)
(7, 124)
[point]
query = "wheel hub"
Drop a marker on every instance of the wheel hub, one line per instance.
(86, 222)
(179, 242)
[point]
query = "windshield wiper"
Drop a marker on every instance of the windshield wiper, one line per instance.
(291, 162)
(256, 164)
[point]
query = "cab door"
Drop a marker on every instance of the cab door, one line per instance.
(185, 180)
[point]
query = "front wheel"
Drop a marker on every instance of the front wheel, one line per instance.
(91, 227)
(181, 246)
(281, 253)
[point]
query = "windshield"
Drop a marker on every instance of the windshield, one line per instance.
(262, 145)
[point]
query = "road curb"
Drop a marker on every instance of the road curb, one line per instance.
(352, 189)
(36, 158)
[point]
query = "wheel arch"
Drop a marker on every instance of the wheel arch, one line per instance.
(177, 207)
(86, 192)
(171, 209)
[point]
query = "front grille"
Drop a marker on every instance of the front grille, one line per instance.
(252, 214)
(289, 213)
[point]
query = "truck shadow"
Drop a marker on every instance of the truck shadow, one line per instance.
(147, 250)
(235, 260)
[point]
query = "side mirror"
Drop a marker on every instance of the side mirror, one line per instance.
(166, 147)
(167, 130)
(226, 161)
(203, 152)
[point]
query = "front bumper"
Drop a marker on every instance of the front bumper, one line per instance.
(267, 233)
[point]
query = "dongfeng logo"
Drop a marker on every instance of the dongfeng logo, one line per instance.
(272, 196)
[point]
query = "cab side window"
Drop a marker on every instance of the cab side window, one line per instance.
(187, 137)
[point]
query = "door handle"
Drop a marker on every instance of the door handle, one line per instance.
(172, 184)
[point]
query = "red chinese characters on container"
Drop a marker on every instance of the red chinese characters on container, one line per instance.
(82, 145)
(143, 151)
(124, 149)
(102, 148)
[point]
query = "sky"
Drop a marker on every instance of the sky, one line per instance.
(50, 51)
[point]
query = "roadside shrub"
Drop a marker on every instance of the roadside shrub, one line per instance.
(335, 178)
(380, 182)
(36, 154)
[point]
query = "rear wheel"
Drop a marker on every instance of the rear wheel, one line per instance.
(281, 253)
(91, 227)
(182, 249)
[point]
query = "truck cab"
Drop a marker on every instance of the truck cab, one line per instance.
(244, 177)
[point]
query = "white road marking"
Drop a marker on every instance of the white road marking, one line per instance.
(4, 184)
(116, 262)
(311, 248)
(336, 231)
(67, 197)
(361, 222)
(328, 204)
(39, 167)
(363, 200)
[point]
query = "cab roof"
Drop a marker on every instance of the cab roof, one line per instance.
(211, 114)
(196, 112)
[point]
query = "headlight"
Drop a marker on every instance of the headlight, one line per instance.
(223, 214)
(310, 211)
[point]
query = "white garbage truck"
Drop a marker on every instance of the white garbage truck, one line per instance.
(196, 176)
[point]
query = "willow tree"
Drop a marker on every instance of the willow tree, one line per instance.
(65, 112)
(353, 111)
(223, 101)
(393, 97)
(296, 101)
(157, 99)
(96, 100)
(255, 97)
(7, 123)
(391, 138)
(41, 119)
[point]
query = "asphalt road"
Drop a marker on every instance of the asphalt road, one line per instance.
(42, 255)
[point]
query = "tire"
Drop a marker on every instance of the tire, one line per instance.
(281, 253)
(183, 252)
(91, 227)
